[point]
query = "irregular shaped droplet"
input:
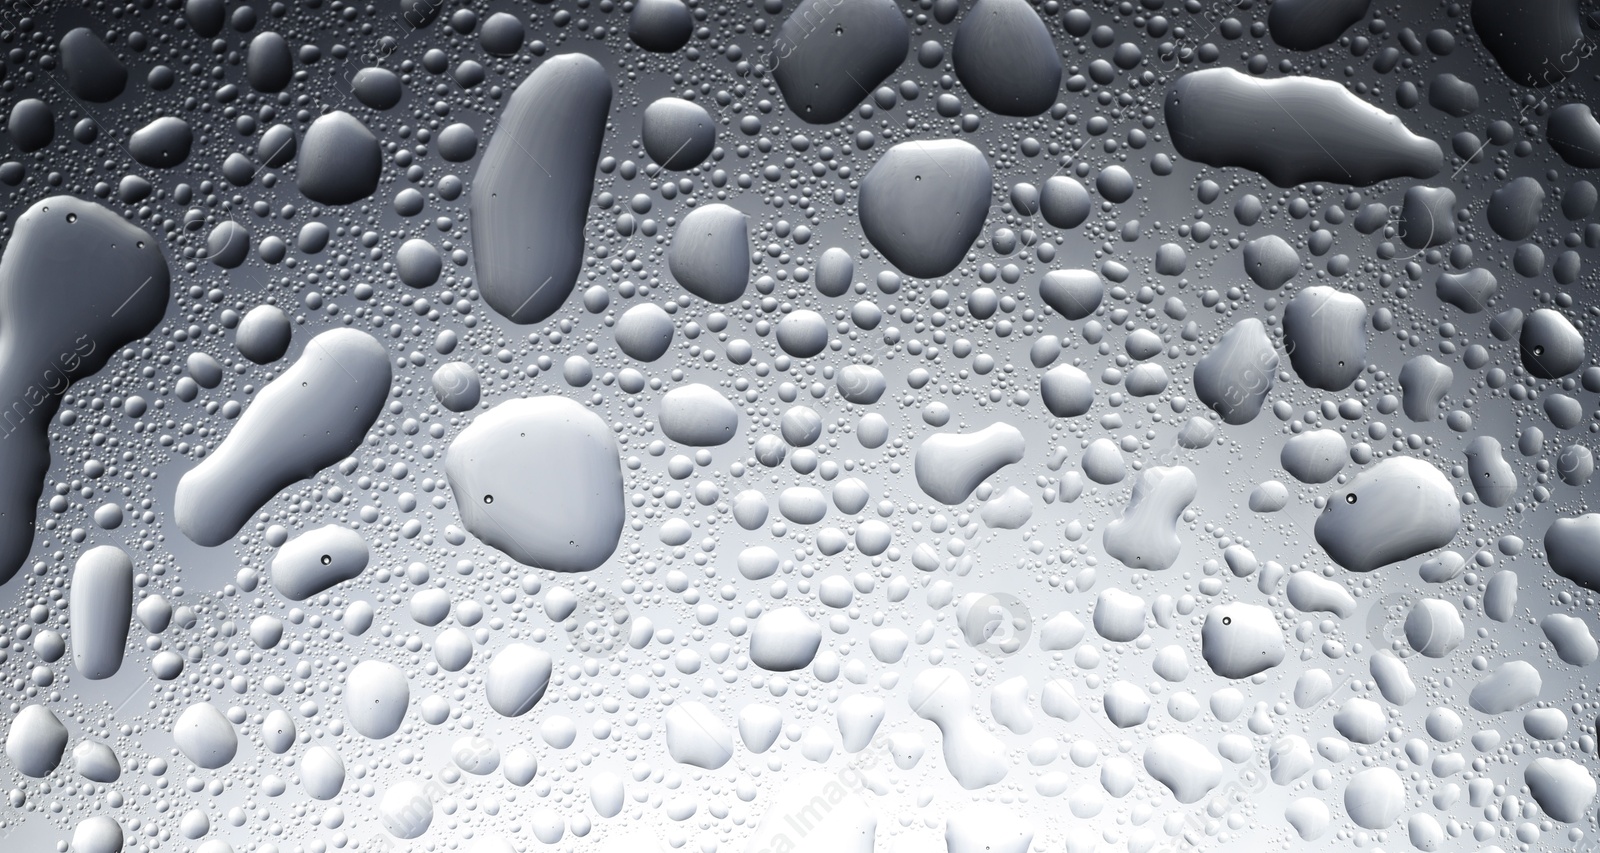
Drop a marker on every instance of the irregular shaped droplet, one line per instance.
(277, 146)
(861, 384)
(1491, 475)
(859, 718)
(1572, 546)
(1009, 510)
(530, 195)
(1061, 631)
(1564, 412)
(1396, 509)
(1360, 720)
(1004, 57)
(318, 560)
(1424, 380)
(784, 640)
(1514, 208)
(1325, 334)
(1074, 294)
(1427, 216)
(803, 505)
(1545, 723)
(100, 611)
(828, 56)
(1314, 456)
(161, 144)
(1308, 816)
(1183, 765)
(698, 416)
(1310, 592)
(1434, 627)
(1268, 496)
(96, 762)
(1575, 465)
(710, 253)
(517, 678)
(205, 736)
(1146, 536)
(1310, 24)
(677, 134)
(924, 202)
(1393, 679)
(1571, 639)
(1270, 261)
(1512, 685)
(1066, 391)
(1574, 134)
(1470, 290)
(1119, 616)
(376, 695)
(1196, 432)
(949, 466)
(1452, 95)
(1240, 640)
(540, 479)
(695, 736)
(1102, 462)
(36, 741)
(1064, 202)
(1289, 759)
(1500, 599)
(1234, 377)
(1563, 788)
(975, 758)
(78, 283)
(1302, 130)
(340, 161)
(382, 89)
(1551, 347)
(98, 834)
(1444, 567)
(1375, 797)
(313, 415)
(606, 793)
(93, 71)
(759, 726)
